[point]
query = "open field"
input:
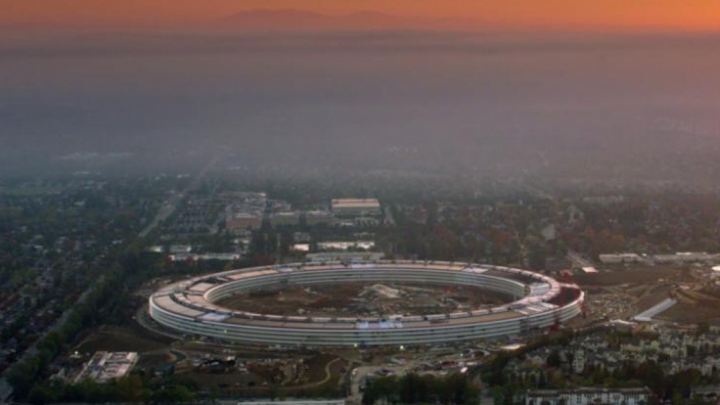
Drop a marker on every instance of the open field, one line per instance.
(111, 338)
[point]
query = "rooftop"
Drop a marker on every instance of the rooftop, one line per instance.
(355, 203)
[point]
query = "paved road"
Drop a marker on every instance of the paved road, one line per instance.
(169, 207)
(165, 212)
(578, 260)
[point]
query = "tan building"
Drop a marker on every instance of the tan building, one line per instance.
(319, 218)
(356, 207)
(290, 218)
(243, 221)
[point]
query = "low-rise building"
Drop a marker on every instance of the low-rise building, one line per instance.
(243, 221)
(313, 218)
(578, 363)
(287, 218)
(589, 396)
(205, 256)
(620, 258)
(366, 221)
(356, 207)
(343, 245)
(683, 257)
(106, 366)
(346, 256)
(178, 249)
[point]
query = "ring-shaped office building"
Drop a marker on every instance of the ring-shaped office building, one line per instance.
(536, 302)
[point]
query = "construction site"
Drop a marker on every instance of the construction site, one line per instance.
(366, 299)
(683, 295)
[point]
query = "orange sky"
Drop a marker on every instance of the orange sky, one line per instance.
(626, 14)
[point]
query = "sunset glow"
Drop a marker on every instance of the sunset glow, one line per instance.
(686, 15)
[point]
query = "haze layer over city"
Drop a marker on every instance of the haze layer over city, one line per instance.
(324, 202)
(497, 100)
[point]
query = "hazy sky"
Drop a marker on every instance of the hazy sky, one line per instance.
(612, 106)
(577, 14)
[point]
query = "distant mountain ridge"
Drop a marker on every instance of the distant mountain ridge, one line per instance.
(303, 20)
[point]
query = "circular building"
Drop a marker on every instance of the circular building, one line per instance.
(537, 302)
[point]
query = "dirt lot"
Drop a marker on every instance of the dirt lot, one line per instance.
(629, 276)
(324, 371)
(234, 380)
(352, 299)
(632, 291)
(651, 296)
(322, 368)
(691, 313)
(155, 359)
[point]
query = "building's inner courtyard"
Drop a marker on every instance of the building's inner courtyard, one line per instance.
(365, 299)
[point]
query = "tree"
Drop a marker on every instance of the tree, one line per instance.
(41, 394)
(273, 391)
(172, 395)
(131, 388)
(415, 389)
(553, 359)
(369, 397)
(703, 328)
(678, 399)
(21, 378)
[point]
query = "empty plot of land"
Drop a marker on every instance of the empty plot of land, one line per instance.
(691, 313)
(117, 339)
(155, 359)
(630, 276)
(350, 299)
(324, 370)
(230, 380)
(647, 315)
(651, 296)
